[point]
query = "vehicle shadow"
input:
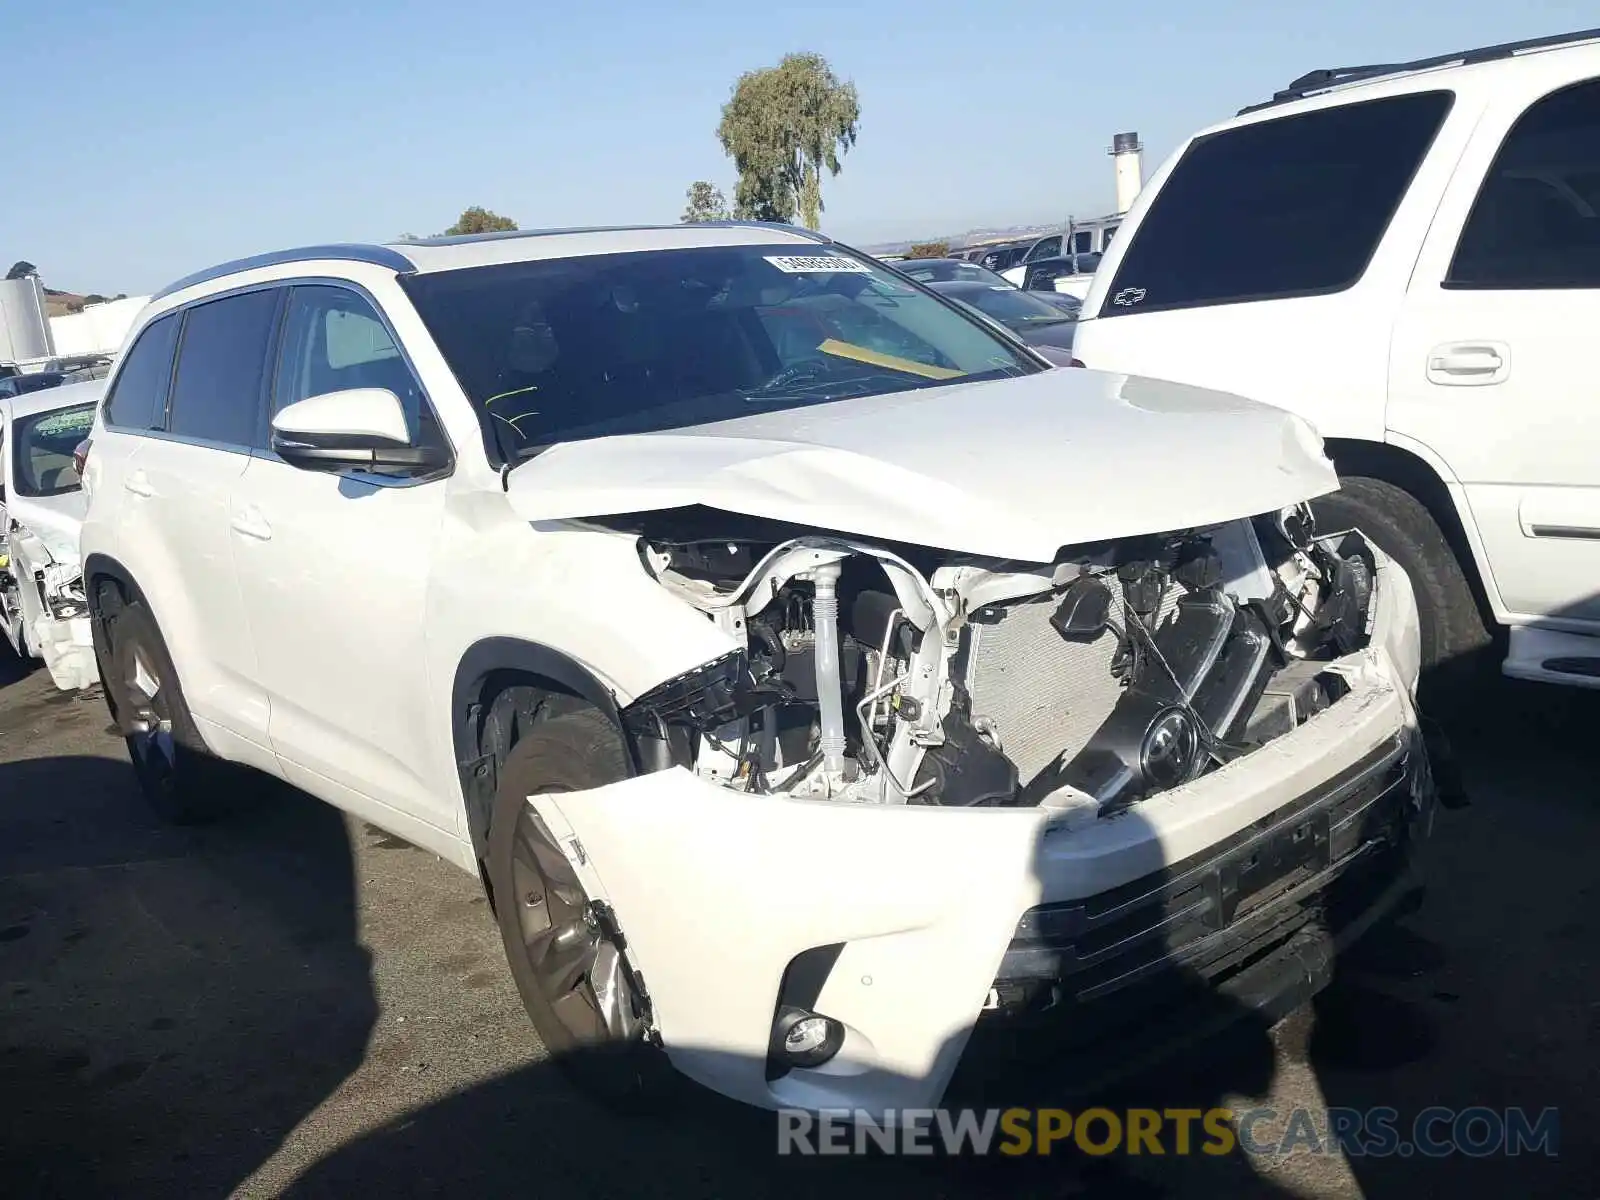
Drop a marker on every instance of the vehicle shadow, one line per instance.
(13, 668)
(1485, 999)
(173, 1002)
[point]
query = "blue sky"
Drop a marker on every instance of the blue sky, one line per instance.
(151, 139)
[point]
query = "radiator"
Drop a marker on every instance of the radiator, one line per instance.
(1044, 694)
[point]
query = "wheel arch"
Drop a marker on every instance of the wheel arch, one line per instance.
(499, 682)
(1413, 473)
(99, 570)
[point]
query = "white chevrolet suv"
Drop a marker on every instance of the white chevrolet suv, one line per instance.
(1409, 255)
(814, 676)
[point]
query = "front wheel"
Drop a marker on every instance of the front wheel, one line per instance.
(565, 950)
(1454, 636)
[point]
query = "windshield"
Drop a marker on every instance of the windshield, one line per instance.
(1010, 306)
(565, 349)
(44, 443)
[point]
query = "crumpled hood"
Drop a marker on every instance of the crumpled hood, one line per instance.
(1012, 468)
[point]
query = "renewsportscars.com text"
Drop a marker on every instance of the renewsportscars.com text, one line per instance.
(1439, 1132)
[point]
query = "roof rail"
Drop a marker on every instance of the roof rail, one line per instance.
(1330, 77)
(464, 239)
(781, 226)
(378, 256)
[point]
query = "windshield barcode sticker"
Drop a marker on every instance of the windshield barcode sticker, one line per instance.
(806, 264)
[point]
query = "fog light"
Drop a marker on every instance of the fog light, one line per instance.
(806, 1039)
(1171, 745)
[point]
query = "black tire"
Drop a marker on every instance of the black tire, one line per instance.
(541, 908)
(179, 778)
(1454, 636)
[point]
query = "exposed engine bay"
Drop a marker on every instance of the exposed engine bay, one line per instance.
(892, 675)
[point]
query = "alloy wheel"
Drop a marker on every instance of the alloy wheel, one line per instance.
(575, 961)
(149, 724)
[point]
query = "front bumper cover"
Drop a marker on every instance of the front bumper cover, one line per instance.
(1112, 982)
(918, 908)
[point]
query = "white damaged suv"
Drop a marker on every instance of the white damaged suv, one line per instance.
(814, 675)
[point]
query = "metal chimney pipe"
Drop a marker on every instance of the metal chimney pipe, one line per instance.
(1127, 155)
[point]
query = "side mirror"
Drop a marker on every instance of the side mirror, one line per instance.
(356, 429)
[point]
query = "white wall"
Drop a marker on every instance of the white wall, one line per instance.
(98, 329)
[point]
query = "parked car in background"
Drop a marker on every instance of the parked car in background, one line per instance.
(1438, 222)
(1002, 258)
(1027, 315)
(1048, 246)
(942, 270)
(38, 381)
(81, 366)
(656, 574)
(43, 611)
(1068, 275)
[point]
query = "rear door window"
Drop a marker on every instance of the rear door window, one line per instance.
(1536, 221)
(222, 361)
(138, 399)
(1288, 207)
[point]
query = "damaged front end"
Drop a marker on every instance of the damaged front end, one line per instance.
(874, 674)
(42, 601)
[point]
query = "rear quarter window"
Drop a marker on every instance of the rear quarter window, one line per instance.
(138, 399)
(1289, 207)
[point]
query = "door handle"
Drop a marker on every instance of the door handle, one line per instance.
(1466, 362)
(249, 523)
(139, 484)
(1469, 363)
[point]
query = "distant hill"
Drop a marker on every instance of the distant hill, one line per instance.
(59, 304)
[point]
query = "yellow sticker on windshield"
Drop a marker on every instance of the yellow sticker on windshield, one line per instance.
(893, 361)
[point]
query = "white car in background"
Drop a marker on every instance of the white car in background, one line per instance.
(817, 679)
(43, 611)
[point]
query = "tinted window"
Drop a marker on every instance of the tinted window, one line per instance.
(333, 340)
(138, 398)
(216, 388)
(1083, 242)
(44, 444)
(1307, 197)
(1008, 305)
(1536, 221)
(562, 349)
(1044, 275)
(1047, 248)
(942, 269)
(37, 382)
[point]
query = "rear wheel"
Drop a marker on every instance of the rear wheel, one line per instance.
(565, 950)
(178, 778)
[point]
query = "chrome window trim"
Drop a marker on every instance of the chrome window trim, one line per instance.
(377, 256)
